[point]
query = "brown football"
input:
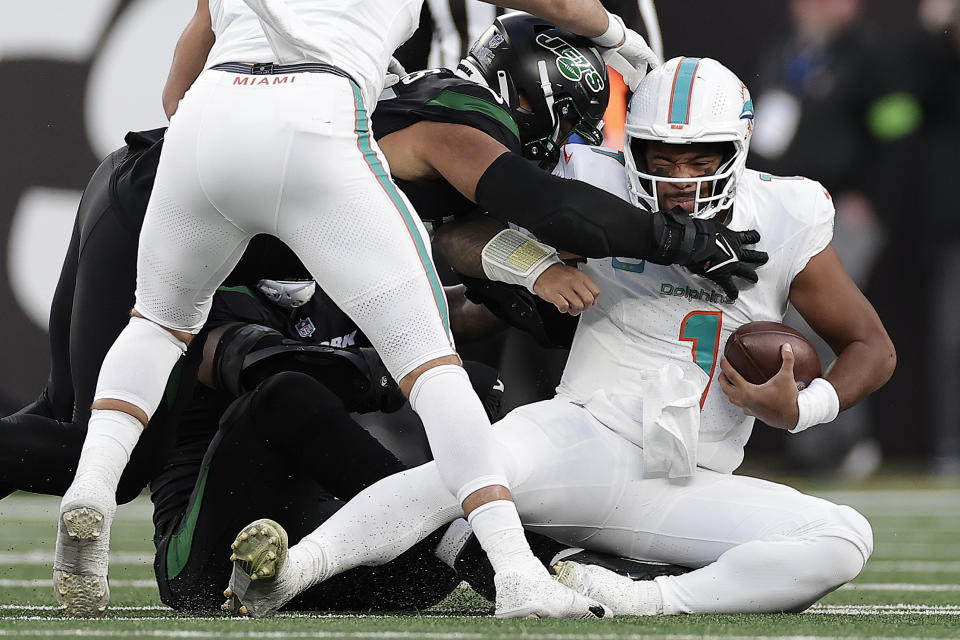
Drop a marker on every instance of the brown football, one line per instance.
(754, 351)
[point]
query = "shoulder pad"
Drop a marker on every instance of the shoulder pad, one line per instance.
(602, 167)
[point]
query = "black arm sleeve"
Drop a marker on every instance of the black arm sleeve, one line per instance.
(567, 214)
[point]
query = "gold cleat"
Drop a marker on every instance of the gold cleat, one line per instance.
(259, 553)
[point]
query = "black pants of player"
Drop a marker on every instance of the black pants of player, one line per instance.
(40, 445)
(284, 452)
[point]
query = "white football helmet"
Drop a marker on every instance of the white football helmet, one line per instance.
(684, 101)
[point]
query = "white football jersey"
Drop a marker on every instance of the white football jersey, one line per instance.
(648, 315)
(359, 36)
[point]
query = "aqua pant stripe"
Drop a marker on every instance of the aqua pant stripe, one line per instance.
(376, 167)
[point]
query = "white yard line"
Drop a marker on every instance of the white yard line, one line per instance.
(18, 558)
(833, 609)
(892, 586)
(33, 508)
(916, 566)
(47, 582)
(402, 635)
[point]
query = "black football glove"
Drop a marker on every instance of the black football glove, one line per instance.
(707, 248)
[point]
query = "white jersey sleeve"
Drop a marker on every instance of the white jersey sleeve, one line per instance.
(814, 204)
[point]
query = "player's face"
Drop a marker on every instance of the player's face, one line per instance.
(682, 161)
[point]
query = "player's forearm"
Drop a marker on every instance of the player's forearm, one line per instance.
(567, 214)
(189, 58)
(585, 17)
(461, 244)
(862, 368)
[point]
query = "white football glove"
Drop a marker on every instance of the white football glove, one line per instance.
(395, 71)
(630, 55)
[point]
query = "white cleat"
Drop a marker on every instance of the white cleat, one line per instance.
(81, 560)
(625, 597)
(538, 595)
(261, 581)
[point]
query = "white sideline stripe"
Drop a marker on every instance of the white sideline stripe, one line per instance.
(35, 508)
(53, 607)
(414, 635)
(886, 609)
(48, 582)
(835, 609)
(45, 557)
(919, 566)
(892, 586)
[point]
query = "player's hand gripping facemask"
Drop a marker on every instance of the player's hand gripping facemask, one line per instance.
(707, 248)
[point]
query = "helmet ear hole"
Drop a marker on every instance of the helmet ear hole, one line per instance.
(523, 101)
(638, 149)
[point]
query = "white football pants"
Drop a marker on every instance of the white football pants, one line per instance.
(762, 546)
(290, 155)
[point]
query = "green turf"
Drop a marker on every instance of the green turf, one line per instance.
(910, 589)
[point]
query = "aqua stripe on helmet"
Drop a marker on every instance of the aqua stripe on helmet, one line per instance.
(682, 88)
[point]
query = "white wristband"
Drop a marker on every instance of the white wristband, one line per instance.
(818, 403)
(614, 35)
(512, 257)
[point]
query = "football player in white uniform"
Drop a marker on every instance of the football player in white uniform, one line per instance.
(634, 455)
(273, 137)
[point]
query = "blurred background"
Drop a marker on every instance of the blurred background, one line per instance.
(863, 95)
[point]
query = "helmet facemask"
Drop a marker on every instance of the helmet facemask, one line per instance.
(720, 186)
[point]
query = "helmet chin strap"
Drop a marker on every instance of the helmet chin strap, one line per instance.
(547, 89)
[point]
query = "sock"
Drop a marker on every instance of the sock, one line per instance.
(378, 524)
(453, 541)
(308, 562)
(458, 430)
(111, 436)
(498, 528)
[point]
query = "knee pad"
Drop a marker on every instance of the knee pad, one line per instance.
(137, 366)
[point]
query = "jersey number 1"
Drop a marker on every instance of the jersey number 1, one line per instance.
(702, 330)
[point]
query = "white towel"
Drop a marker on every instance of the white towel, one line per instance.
(663, 419)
